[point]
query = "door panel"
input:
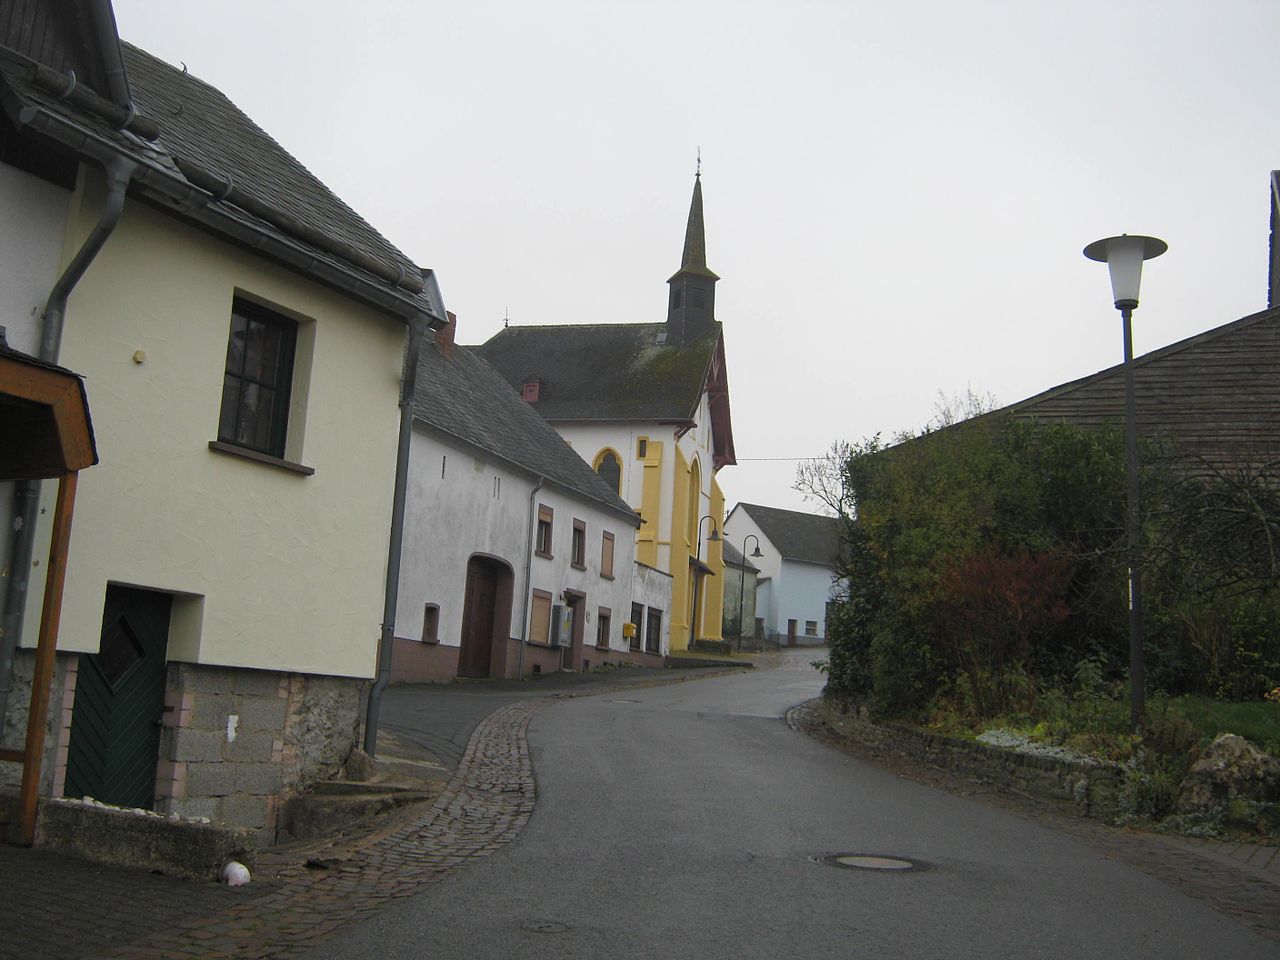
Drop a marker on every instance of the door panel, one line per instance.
(478, 616)
(115, 723)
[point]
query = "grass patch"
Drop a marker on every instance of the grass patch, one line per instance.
(1256, 720)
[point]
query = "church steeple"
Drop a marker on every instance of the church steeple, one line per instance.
(692, 302)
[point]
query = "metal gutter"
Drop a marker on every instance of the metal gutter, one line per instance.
(26, 498)
(391, 595)
(168, 187)
(528, 586)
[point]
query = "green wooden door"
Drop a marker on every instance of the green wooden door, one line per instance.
(115, 723)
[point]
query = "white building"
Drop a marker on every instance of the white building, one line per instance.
(797, 569)
(518, 558)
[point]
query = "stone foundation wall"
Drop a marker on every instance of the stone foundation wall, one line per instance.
(1083, 787)
(57, 725)
(235, 742)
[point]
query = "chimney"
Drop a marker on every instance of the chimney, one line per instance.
(446, 335)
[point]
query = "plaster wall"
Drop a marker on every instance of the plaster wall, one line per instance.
(738, 526)
(804, 591)
(31, 239)
(653, 589)
(269, 569)
(462, 503)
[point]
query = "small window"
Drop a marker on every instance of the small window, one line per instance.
(675, 298)
(542, 542)
(430, 623)
(257, 379)
(530, 391)
(606, 555)
(637, 621)
(811, 628)
(653, 632)
(642, 448)
(610, 469)
(540, 618)
(578, 549)
(602, 627)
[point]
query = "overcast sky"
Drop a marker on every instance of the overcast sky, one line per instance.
(896, 193)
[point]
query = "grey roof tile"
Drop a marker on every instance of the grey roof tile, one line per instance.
(797, 536)
(465, 398)
(605, 371)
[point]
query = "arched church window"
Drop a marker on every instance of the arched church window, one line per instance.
(610, 469)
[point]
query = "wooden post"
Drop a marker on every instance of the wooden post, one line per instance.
(46, 653)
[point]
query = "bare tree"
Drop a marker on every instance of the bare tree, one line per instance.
(825, 480)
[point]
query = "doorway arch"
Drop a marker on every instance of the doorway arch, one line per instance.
(486, 618)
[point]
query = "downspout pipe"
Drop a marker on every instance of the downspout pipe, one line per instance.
(27, 493)
(528, 587)
(386, 642)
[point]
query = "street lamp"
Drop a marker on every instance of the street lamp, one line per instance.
(1124, 255)
(742, 580)
(697, 573)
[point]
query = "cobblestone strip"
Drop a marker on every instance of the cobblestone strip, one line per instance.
(1246, 893)
(485, 805)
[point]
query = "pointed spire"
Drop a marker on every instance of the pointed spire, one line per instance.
(695, 234)
(691, 304)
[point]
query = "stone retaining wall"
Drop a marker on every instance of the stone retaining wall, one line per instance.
(1083, 787)
(236, 742)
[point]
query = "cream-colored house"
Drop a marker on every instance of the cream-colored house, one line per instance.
(242, 334)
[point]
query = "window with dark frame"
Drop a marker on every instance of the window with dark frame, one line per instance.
(578, 546)
(606, 555)
(653, 632)
(542, 542)
(637, 621)
(257, 379)
(430, 623)
(602, 627)
(642, 448)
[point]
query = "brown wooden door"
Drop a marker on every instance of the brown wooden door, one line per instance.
(477, 620)
(791, 633)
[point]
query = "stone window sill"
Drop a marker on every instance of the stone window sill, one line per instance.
(219, 446)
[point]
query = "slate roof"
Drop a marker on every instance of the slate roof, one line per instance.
(733, 557)
(465, 398)
(198, 126)
(1215, 394)
(604, 371)
(797, 536)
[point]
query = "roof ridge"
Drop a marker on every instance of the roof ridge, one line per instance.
(1159, 353)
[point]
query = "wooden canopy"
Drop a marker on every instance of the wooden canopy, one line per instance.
(45, 429)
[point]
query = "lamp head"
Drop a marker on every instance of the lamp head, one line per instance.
(756, 552)
(1123, 255)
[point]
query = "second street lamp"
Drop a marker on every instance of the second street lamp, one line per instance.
(1124, 255)
(742, 581)
(697, 574)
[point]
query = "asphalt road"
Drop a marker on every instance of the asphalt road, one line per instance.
(684, 821)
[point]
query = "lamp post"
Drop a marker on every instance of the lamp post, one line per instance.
(1124, 255)
(697, 574)
(742, 581)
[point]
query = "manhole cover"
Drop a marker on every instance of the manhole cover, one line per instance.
(544, 926)
(871, 861)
